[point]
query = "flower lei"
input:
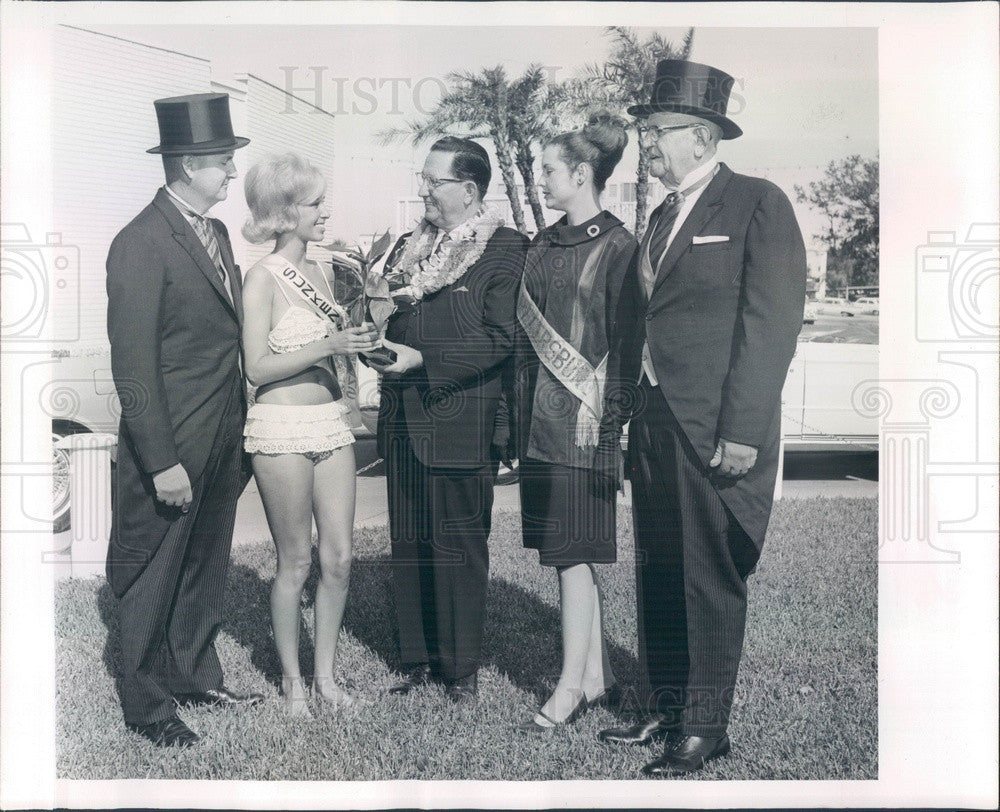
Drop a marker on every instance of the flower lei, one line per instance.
(429, 272)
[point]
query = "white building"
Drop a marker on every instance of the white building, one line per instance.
(103, 124)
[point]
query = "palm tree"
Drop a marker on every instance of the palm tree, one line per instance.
(627, 78)
(476, 106)
(530, 124)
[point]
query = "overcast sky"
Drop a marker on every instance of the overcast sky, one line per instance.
(807, 96)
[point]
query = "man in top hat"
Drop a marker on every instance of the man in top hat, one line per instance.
(174, 317)
(707, 330)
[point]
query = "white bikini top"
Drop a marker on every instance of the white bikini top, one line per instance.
(297, 326)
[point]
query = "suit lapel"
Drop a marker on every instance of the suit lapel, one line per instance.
(232, 271)
(188, 240)
(705, 209)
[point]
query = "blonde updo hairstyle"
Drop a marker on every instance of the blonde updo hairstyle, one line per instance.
(273, 187)
(599, 143)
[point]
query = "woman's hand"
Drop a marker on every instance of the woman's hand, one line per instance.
(353, 340)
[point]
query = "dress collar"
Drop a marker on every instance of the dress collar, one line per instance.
(562, 233)
(696, 174)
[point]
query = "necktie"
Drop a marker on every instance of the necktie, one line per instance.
(658, 236)
(207, 236)
(664, 225)
(445, 239)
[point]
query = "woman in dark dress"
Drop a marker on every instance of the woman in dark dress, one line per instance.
(572, 279)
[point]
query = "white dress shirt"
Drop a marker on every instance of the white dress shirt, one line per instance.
(439, 237)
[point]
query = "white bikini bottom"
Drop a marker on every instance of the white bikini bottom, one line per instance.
(314, 431)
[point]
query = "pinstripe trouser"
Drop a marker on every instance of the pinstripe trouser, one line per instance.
(439, 521)
(692, 559)
(171, 613)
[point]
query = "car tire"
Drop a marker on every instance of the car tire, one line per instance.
(61, 520)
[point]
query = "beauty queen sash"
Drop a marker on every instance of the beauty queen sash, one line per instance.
(293, 278)
(568, 366)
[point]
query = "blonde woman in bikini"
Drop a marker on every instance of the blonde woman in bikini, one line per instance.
(296, 429)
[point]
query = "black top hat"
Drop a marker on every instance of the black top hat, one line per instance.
(691, 88)
(195, 125)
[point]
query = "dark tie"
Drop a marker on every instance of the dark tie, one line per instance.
(664, 225)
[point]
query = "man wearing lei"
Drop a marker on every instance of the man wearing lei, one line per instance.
(454, 280)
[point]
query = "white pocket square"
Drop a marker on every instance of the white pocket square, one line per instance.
(464, 289)
(709, 238)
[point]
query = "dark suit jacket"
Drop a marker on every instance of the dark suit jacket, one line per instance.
(465, 332)
(722, 323)
(175, 338)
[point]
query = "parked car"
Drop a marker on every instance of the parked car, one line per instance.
(81, 399)
(809, 313)
(834, 306)
(817, 401)
(867, 305)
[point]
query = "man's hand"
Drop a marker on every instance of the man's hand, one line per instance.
(733, 460)
(173, 487)
(407, 358)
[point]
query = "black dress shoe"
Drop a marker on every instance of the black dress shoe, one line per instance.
(219, 698)
(642, 733)
(685, 754)
(462, 690)
(167, 732)
(414, 677)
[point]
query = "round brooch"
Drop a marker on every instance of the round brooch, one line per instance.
(593, 230)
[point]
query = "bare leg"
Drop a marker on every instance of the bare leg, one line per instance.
(577, 604)
(334, 490)
(597, 676)
(285, 483)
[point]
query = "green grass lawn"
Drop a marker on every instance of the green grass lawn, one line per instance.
(805, 703)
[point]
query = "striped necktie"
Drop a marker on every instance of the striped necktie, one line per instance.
(660, 237)
(206, 233)
(664, 225)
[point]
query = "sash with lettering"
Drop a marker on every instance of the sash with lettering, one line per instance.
(344, 371)
(568, 366)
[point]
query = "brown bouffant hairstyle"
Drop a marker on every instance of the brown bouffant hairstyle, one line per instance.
(599, 143)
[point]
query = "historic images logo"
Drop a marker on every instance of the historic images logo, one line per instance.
(38, 279)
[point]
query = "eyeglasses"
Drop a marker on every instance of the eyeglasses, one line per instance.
(434, 183)
(643, 131)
